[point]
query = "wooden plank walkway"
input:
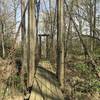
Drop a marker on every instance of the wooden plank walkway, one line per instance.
(45, 86)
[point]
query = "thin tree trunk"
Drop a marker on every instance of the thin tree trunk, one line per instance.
(94, 24)
(60, 43)
(3, 46)
(37, 24)
(51, 31)
(90, 24)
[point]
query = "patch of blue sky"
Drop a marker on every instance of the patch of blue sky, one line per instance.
(18, 17)
(98, 7)
(44, 5)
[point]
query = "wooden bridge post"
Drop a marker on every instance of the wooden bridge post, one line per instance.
(40, 44)
(47, 51)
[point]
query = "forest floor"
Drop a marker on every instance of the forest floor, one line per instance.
(80, 82)
(45, 85)
(7, 79)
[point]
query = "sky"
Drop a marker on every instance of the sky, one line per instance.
(45, 7)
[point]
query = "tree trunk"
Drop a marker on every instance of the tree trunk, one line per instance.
(37, 24)
(94, 24)
(60, 42)
(90, 24)
(24, 45)
(3, 47)
(31, 42)
(51, 32)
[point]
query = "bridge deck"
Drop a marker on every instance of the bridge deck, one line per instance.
(46, 86)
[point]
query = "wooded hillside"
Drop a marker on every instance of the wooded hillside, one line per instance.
(49, 46)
